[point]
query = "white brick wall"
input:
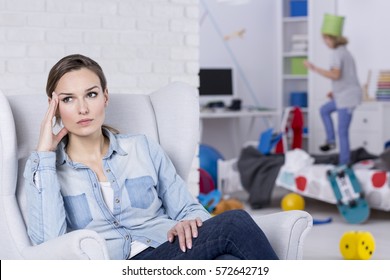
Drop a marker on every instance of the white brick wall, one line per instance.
(142, 45)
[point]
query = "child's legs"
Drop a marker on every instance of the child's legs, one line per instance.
(326, 110)
(230, 233)
(344, 118)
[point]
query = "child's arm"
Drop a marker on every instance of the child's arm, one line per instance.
(333, 73)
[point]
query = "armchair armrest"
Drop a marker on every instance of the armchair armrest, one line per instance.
(286, 232)
(79, 244)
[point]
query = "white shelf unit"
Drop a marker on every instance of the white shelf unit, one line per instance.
(315, 85)
(287, 81)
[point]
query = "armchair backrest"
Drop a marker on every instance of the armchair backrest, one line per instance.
(169, 115)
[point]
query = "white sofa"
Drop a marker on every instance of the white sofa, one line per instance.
(169, 115)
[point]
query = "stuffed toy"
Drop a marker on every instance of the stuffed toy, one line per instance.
(226, 205)
(215, 204)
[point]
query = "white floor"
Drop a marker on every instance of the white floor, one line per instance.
(322, 243)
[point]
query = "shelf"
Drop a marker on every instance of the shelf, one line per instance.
(295, 77)
(303, 109)
(294, 19)
(222, 113)
(295, 54)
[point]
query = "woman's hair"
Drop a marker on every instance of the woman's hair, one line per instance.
(72, 63)
(337, 40)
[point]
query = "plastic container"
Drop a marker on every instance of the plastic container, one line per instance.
(332, 25)
(297, 67)
(298, 99)
(298, 8)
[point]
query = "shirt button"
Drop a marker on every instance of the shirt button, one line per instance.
(117, 200)
(113, 181)
(108, 170)
(127, 237)
(148, 241)
(116, 223)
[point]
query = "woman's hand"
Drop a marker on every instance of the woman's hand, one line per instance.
(185, 231)
(330, 95)
(48, 141)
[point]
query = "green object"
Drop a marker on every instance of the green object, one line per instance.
(332, 25)
(297, 67)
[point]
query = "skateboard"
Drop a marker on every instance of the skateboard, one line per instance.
(351, 203)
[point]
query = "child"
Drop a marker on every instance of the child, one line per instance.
(346, 91)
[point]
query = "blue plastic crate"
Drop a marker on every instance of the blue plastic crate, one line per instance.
(298, 8)
(298, 99)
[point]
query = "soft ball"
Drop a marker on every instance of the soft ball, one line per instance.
(357, 245)
(208, 157)
(206, 183)
(292, 201)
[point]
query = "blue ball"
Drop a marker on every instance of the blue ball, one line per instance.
(208, 157)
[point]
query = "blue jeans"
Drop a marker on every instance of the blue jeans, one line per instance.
(344, 121)
(230, 235)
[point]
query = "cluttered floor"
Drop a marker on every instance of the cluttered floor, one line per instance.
(260, 182)
(323, 241)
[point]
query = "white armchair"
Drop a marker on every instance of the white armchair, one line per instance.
(169, 115)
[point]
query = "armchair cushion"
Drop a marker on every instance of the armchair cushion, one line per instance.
(286, 231)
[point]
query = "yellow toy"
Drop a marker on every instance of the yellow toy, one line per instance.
(292, 201)
(357, 245)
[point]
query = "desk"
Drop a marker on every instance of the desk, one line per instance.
(235, 116)
(253, 113)
(265, 114)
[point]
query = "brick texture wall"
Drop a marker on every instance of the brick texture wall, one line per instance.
(141, 45)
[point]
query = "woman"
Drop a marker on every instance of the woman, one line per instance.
(346, 91)
(122, 186)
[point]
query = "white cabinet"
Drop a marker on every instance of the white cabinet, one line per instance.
(369, 128)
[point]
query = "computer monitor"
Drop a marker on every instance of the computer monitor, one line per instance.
(216, 84)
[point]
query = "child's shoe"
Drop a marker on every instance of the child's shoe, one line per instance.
(327, 147)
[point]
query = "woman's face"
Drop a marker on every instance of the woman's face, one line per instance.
(82, 102)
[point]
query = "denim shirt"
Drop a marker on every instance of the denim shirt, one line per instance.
(149, 196)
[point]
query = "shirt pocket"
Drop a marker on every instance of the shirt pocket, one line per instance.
(141, 191)
(77, 211)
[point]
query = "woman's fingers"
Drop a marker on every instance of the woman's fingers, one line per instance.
(199, 222)
(194, 229)
(177, 231)
(185, 231)
(48, 141)
(180, 233)
(50, 113)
